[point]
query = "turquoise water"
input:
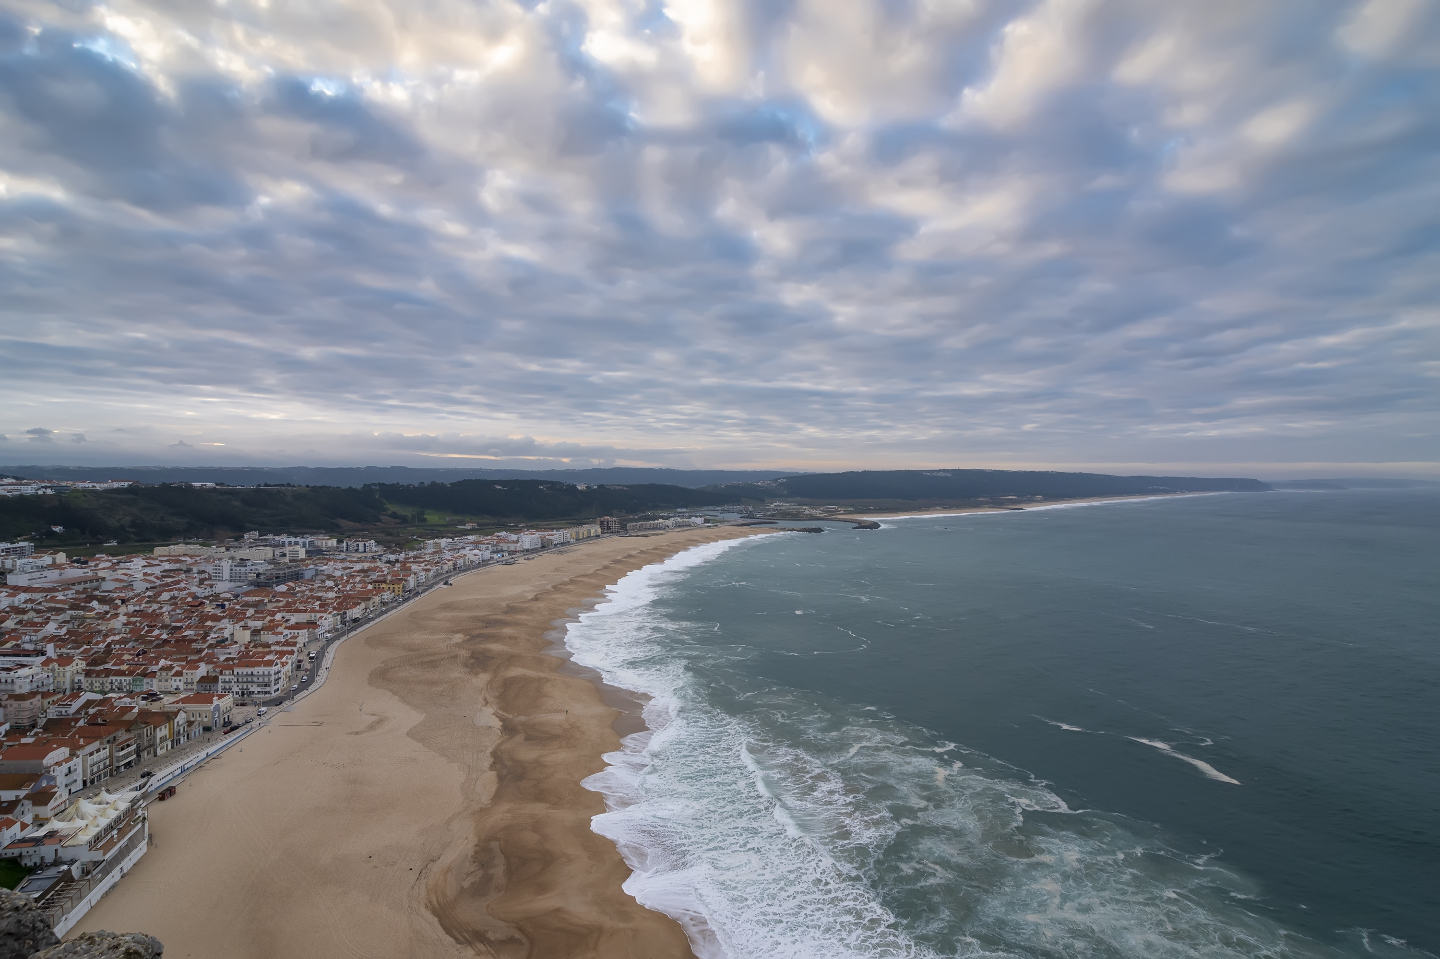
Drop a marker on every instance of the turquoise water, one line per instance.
(1180, 727)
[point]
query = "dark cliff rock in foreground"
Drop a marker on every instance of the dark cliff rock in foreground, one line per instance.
(24, 929)
(25, 933)
(106, 945)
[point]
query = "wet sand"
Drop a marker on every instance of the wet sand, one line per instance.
(424, 802)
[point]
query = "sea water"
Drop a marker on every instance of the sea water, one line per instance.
(1201, 726)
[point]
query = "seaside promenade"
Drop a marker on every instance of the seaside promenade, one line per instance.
(424, 801)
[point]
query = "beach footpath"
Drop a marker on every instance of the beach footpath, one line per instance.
(425, 801)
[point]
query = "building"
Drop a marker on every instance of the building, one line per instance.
(24, 709)
(609, 524)
(45, 759)
(25, 679)
(259, 678)
(207, 711)
(185, 549)
(80, 854)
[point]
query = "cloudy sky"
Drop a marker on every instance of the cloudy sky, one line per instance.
(810, 233)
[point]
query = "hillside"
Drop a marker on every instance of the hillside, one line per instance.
(397, 512)
(160, 513)
(532, 500)
(392, 512)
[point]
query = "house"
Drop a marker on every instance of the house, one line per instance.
(206, 710)
(44, 759)
(24, 709)
(11, 830)
(72, 704)
(18, 785)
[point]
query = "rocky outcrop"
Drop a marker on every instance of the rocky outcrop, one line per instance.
(25, 933)
(106, 945)
(24, 929)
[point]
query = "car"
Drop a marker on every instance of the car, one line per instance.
(295, 687)
(261, 711)
(147, 774)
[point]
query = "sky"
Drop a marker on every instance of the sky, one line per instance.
(1079, 234)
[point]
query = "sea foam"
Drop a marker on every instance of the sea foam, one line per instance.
(770, 822)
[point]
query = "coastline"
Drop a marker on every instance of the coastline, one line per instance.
(426, 801)
(1055, 504)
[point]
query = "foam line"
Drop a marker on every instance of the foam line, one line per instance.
(1210, 771)
(1037, 509)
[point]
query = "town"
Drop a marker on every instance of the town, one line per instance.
(120, 673)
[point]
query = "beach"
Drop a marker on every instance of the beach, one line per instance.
(425, 801)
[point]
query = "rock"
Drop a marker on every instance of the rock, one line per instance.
(24, 929)
(106, 945)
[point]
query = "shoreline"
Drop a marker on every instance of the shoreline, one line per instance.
(966, 510)
(426, 800)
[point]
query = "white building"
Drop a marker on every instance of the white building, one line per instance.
(25, 679)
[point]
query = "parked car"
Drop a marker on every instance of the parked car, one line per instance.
(261, 711)
(147, 774)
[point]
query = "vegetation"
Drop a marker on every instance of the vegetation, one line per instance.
(12, 873)
(396, 513)
(531, 500)
(170, 511)
(392, 512)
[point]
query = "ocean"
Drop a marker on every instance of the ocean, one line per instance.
(1198, 726)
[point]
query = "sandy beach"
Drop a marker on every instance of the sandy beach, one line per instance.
(424, 802)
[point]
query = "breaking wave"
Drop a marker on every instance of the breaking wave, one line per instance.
(770, 822)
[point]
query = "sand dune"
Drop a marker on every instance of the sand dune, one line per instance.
(425, 802)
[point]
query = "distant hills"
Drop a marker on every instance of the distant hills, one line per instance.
(365, 475)
(392, 512)
(401, 511)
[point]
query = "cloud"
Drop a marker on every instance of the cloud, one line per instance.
(710, 233)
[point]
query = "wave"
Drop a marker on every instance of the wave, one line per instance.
(1210, 771)
(1065, 726)
(772, 822)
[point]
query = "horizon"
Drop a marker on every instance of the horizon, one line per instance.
(1208, 471)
